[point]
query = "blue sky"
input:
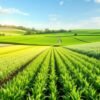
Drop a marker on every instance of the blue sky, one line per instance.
(54, 14)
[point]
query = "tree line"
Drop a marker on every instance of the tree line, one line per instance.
(31, 31)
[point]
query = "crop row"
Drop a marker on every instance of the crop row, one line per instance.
(16, 88)
(13, 61)
(56, 74)
(86, 81)
(92, 49)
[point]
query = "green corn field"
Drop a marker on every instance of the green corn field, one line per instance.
(48, 73)
(49, 49)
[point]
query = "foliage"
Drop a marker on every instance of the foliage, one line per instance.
(56, 74)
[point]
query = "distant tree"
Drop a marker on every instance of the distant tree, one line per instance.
(28, 32)
(33, 29)
(70, 31)
(62, 30)
(75, 34)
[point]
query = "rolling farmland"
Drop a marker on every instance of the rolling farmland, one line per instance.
(38, 67)
(48, 73)
(50, 50)
(11, 31)
(68, 38)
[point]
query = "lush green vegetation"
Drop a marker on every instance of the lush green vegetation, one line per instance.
(48, 73)
(90, 49)
(40, 70)
(21, 35)
(49, 39)
(15, 57)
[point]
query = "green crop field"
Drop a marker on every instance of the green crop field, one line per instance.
(49, 73)
(52, 39)
(49, 49)
(39, 67)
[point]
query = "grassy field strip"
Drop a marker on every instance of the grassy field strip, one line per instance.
(75, 71)
(89, 74)
(11, 49)
(49, 39)
(18, 87)
(16, 60)
(89, 52)
(90, 49)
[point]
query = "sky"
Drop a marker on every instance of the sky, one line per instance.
(53, 14)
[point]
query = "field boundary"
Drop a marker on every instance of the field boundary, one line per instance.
(13, 43)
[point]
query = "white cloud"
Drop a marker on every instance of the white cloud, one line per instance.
(24, 23)
(92, 23)
(97, 1)
(12, 11)
(56, 23)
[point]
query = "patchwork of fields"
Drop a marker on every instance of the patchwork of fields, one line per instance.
(67, 38)
(42, 68)
(49, 73)
(49, 39)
